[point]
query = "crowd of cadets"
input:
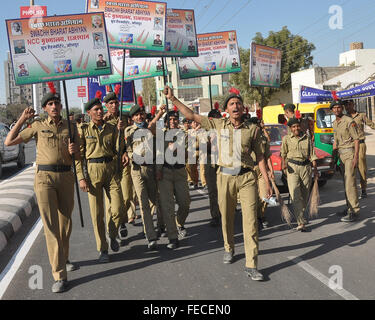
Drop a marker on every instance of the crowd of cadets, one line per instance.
(106, 150)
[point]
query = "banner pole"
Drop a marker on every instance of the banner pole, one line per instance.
(119, 151)
(165, 78)
(73, 158)
(209, 86)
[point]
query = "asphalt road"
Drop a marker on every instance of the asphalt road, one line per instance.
(297, 266)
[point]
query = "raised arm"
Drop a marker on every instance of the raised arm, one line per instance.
(152, 124)
(13, 137)
(188, 114)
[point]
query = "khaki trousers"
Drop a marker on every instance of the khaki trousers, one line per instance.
(102, 177)
(55, 195)
(350, 182)
(262, 192)
(173, 185)
(210, 173)
(246, 186)
(145, 187)
(299, 183)
(192, 171)
(362, 165)
(202, 174)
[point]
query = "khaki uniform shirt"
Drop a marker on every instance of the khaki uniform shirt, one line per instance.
(96, 143)
(361, 120)
(137, 146)
(345, 132)
(297, 148)
(248, 133)
(52, 141)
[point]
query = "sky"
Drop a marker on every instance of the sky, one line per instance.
(310, 19)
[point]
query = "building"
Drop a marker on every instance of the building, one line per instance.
(194, 92)
(357, 55)
(22, 94)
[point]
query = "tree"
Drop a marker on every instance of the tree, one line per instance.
(149, 91)
(296, 55)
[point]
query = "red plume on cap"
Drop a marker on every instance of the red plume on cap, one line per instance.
(334, 95)
(283, 105)
(259, 113)
(108, 88)
(298, 114)
(153, 110)
(234, 90)
(52, 87)
(216, 105)
(98, 95)
(117, 89)
(140, 101)
(224, 115)
(175, 109)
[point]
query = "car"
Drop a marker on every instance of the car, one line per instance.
(12, 153)
(325, 163)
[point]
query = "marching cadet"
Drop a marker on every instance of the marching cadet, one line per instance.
(235, 176)
(172, 182)
(210, 172)
(298, 154)
(98, 152)
(346, 141)
(289, 112)
(54, 179)
(143, 174)
(192, 168)
(113, 116)
(361, 120)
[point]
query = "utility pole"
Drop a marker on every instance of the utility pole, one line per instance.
(35, 91)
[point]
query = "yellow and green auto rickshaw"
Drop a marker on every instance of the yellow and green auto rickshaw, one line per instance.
(321, 120)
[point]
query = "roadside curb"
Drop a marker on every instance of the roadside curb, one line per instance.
(17, 200)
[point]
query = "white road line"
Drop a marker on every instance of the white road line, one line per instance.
(12, 267)
(322, 278)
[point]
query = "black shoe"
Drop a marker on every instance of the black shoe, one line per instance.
(152, 245)
(342, 213)
(123, 231)
(104, 257)
(254, 274)
(350, 217)
(215, 222)
(181, 232)
(59, 286)
(173, 244)
(114, 244)
(363, 195)
(228, 257)
(71, 266)
(123, 243)
(160, 232)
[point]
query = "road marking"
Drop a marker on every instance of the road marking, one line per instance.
(12, 267)
(322, 278)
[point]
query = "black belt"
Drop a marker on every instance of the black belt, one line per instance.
(299, 163)
(174, 166)
(362, 141)
(242, 171)
(101, 160)
(54, 167)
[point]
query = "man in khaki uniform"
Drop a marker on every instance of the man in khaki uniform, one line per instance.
(98, 151)
(236, 140)
(113, 116)
(346, 141)
(172, 183)
(361, 120)
(142, 173)
(289, 112)
(297, 153)
(54, 180)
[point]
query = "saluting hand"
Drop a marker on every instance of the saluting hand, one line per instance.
(28, 113)
(83, 185)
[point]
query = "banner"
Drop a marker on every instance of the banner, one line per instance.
(265, 66)
(58, 48)
(133, 24)
(180, 39)
(128, 92)
(312, 95)
(135, 68)
(218, 54)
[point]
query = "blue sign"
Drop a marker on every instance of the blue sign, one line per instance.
(94, 86)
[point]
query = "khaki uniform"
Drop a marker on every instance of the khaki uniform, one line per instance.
(298, 152)
(54, 190)
(192, 168)
(345, 132)
(237, 177)
(99, 144)
(143, 177)
(361, 120)
(173, 189)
